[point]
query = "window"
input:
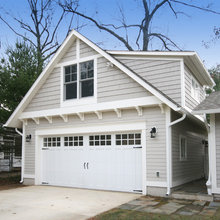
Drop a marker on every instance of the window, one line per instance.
(51, 142)
(128, 139)
(99, 140)
(79, 80)
(73, 141)
(195, 89)
(183, 148)
(86, 79)
(70, 82)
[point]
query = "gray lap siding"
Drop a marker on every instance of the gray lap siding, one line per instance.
(193, 167)
(155, 151)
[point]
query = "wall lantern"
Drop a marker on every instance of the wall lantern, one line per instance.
(28, 138)
(153, 132)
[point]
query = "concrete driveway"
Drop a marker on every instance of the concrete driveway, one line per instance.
(57, 203)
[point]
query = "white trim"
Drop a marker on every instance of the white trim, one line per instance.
(156, 184)
(23, 151)
(99, 114)
(49, 119)
(81, 60)
(81, 116)
(168, 149)
(139, 110)
(135, 57)
(78, 100)
(152, 53)
(144, 160)
(29, 176)
(97, 128)
(213, 164)
(36, 120)
(77, 49)
(126, 103)
(64, 117)
(118, 112)
(183, 92)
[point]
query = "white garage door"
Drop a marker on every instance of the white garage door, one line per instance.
(99, 161)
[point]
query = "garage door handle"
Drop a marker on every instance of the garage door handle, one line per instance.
(87, 165)
(84, 165)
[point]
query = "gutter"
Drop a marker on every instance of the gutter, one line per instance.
(209, 181)
(169, 151)
(22, 153)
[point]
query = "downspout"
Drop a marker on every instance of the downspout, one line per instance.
(22, 154)
(169, 152)
(209, 181)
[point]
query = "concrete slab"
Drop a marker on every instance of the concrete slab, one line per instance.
(55, 203)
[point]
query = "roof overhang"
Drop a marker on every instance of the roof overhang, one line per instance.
(206, 111)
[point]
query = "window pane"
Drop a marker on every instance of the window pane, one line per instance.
(71, 91)
(73, 77)
(87, 88)
(67, 78)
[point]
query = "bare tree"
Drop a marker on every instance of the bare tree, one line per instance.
(143, 29)
(41, 30)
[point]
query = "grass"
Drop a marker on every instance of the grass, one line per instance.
(121, 214)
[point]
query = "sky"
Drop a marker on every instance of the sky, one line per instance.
(189, 30)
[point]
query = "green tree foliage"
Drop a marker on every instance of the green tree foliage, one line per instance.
(215, 73)
(18, 71)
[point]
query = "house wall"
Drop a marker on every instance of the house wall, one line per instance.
(163, 74)
(217, 141)
(193, 167)
(48, 96)
(190, 102)
(156, 147)
(113, 84)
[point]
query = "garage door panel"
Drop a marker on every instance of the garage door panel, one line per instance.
(111, 167)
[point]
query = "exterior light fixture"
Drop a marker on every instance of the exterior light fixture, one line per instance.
(28, 138)
(153, 132)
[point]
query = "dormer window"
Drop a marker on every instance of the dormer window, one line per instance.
(79, 80)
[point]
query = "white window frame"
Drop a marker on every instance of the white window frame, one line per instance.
(79, 100)
(195, 92)
(180, 148)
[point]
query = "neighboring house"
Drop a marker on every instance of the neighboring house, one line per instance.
(114, 120)
(211, 105)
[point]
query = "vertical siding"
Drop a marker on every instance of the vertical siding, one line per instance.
(190, 101)
(48, 96)
(193, 167)
(217, 139)
(70, 54)
(85, 50)
(163, 74)
(113, 84)
(156, 148)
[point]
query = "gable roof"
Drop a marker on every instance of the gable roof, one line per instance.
(210, 105)
(13, 120)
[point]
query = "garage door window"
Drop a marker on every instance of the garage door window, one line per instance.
(71, 141)
(128, 139)
(99, 140)
(52, 142)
